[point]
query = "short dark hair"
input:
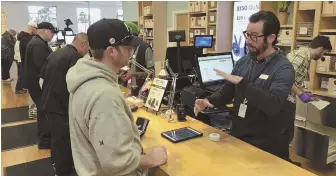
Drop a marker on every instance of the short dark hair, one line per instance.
(321, 41)
(271, 23)
(98, 53)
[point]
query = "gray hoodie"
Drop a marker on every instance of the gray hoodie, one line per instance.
(104, 138)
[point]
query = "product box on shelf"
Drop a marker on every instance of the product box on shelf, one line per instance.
(324, 83)
(197, 32)
(332, 85)
(212, 17)
(197, 6)
(147, 10)
(191, 7)
(141, 20)
(193, 22)
(212, 4)
(199, 21)
(305, 29)
(325, 64)
(212, 31)
(204, 21)
(329, 7)
(204, 6)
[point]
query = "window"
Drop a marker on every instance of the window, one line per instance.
(43, 13)
(120, 14)
(83, 18)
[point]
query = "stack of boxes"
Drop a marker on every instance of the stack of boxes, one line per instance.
(147, 10)
(327, 64)
(198, 6)
(285, 36)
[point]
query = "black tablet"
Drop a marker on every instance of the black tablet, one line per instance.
(181, 134)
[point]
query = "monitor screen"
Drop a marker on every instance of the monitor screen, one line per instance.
(60, 35)
(69, 39)
(68, 33)
(188, 58)
(203, 41)
(208, 63)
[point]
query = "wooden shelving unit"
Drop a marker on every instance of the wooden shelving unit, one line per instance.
(324, 19)
(206, 11)
(3, 21)
(154, 31)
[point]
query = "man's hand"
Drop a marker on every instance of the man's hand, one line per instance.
(158, 155)
(232, 78)
(128, 76)
(201, 104)
(306, 97)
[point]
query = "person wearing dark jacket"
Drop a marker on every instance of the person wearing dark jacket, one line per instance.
(260, 84)
(36, 55)
(23, 39)
(7, 54)
(143, 55)
(55, 100)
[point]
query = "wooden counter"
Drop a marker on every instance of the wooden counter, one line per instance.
(201, 157)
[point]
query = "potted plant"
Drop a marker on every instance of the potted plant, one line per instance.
(283, 11)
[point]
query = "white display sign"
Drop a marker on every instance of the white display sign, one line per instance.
(242, 13)
(156, 93)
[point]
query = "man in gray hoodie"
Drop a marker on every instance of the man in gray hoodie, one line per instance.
(104, 137)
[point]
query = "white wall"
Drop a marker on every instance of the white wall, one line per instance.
(17, 12)
(130, 10)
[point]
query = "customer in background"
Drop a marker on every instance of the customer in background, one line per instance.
(55, 100)
(36, 55)
(260, 84)
(300, 60)
(7, 54)
(142, 55)
(20, 49)
(104, 137)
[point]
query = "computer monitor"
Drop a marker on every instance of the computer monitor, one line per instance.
(203, 41)
(188, 58)
(208, 62)
(68, 32)
(60, 35)
(177, 36)
(69, 39)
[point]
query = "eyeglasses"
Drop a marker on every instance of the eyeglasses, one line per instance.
(253, 37)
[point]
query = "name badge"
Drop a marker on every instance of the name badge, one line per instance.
(242, 109)
(263, 76)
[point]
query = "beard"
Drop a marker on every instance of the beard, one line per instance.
(257, 51)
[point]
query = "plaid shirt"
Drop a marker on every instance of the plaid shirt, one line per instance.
(300, 60)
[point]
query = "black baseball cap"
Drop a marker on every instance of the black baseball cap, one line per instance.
(46, 25)
(111, 32)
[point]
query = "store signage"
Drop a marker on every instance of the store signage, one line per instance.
(242, 13)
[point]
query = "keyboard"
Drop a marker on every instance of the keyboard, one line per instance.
(214, 87)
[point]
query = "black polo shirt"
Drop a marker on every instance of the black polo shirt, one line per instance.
(55, 96)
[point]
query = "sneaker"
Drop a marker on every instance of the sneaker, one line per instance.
(8, 80)
(32, 113)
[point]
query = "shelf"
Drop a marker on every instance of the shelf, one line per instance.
(211, 52)
(197, 13)
(304, 38)
(148, 15)
(283, 45)
(328, 30)
(327, 73)
(328, 15)
(213, 9)
(198, 27)
(332, 52)
(286, 26)
(324, 93)
(148, 38)
(212, 24)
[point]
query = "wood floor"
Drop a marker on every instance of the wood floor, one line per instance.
(26, 154)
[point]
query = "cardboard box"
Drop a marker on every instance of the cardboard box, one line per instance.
(191, 35)
(203, 32)
(197, 32)
(308, 5)
(212, 31)
(191, 7)
(328, 7)
(197, 6)
(325, 64)
(199, 21)
(141, 20)
(193, 22)
(204, 21)
(332, 85)
(204, 6)
(212, 17)
(324, 83)
(213, 4)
